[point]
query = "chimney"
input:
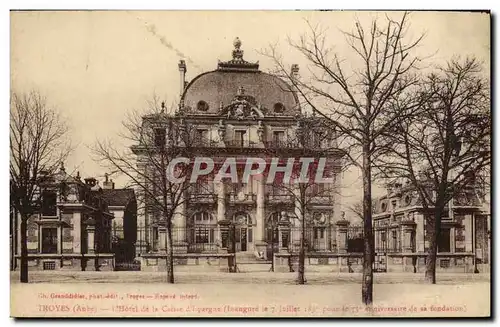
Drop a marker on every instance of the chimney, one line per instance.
(182, 73)
(108, 183)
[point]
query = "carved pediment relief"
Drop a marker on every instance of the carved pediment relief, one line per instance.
(242, 107)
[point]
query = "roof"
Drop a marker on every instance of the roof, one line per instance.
(118, 197)
(218, 88)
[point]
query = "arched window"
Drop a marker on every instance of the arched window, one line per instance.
(202, 106)
(203, 217)
(279, 107)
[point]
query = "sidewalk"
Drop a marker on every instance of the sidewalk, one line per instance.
(183, 277)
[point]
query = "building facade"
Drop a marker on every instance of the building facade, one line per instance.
(402, 234)
(122, 205)
(239, 111)
(71, 229)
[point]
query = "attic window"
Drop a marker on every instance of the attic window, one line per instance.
(383, 206)
(160, 135)
(49, 203)
(279, 107)
(202, 106)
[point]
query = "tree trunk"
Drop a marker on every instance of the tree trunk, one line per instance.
(24, 250)
(170, 255)
(302, 258)
(14, 242)
(301, 279)
(430, 265)
(368, 242)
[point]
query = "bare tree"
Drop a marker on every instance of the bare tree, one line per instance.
(38, 144)
(443, 148)
(312, 142)
(357, 209)
(354, 95)
(158, 164)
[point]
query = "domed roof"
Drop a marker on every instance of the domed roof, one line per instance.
(209, 92)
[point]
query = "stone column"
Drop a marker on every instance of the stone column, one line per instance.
(419, 234)
(260, 231)
(77, 232)
(59, 239)
(221, 209)
(342, 227)
(91, 239)
(468, 233)
(408, 228)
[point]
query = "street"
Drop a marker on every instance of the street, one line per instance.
(244, 295)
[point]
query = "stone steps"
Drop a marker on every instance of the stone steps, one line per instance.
(249, 258)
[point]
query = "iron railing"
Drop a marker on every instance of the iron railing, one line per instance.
(204, 237)
(324, 239)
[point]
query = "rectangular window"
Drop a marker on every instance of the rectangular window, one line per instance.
(319, 233)
(160, 137)
(49, 265)
(202, 136)
(278, 137)
(204, 235)
(239, 137)
(444, 241)
(201, 235)
(49, 240)
(49, 203)
(444, 263)
(250, 234)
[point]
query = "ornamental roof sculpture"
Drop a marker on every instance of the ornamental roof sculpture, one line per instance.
(238, 63)
(242, 107)
(211, 92)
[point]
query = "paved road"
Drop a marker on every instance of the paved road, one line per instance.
(313, 278)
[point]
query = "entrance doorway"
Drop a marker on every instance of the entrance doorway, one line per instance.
(49, 240)
(243, 232)
(241, 238)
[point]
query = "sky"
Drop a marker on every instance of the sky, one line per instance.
(95, 66)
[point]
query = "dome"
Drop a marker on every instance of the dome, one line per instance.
(210, 91)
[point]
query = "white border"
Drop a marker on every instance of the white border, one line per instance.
(176, 5)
